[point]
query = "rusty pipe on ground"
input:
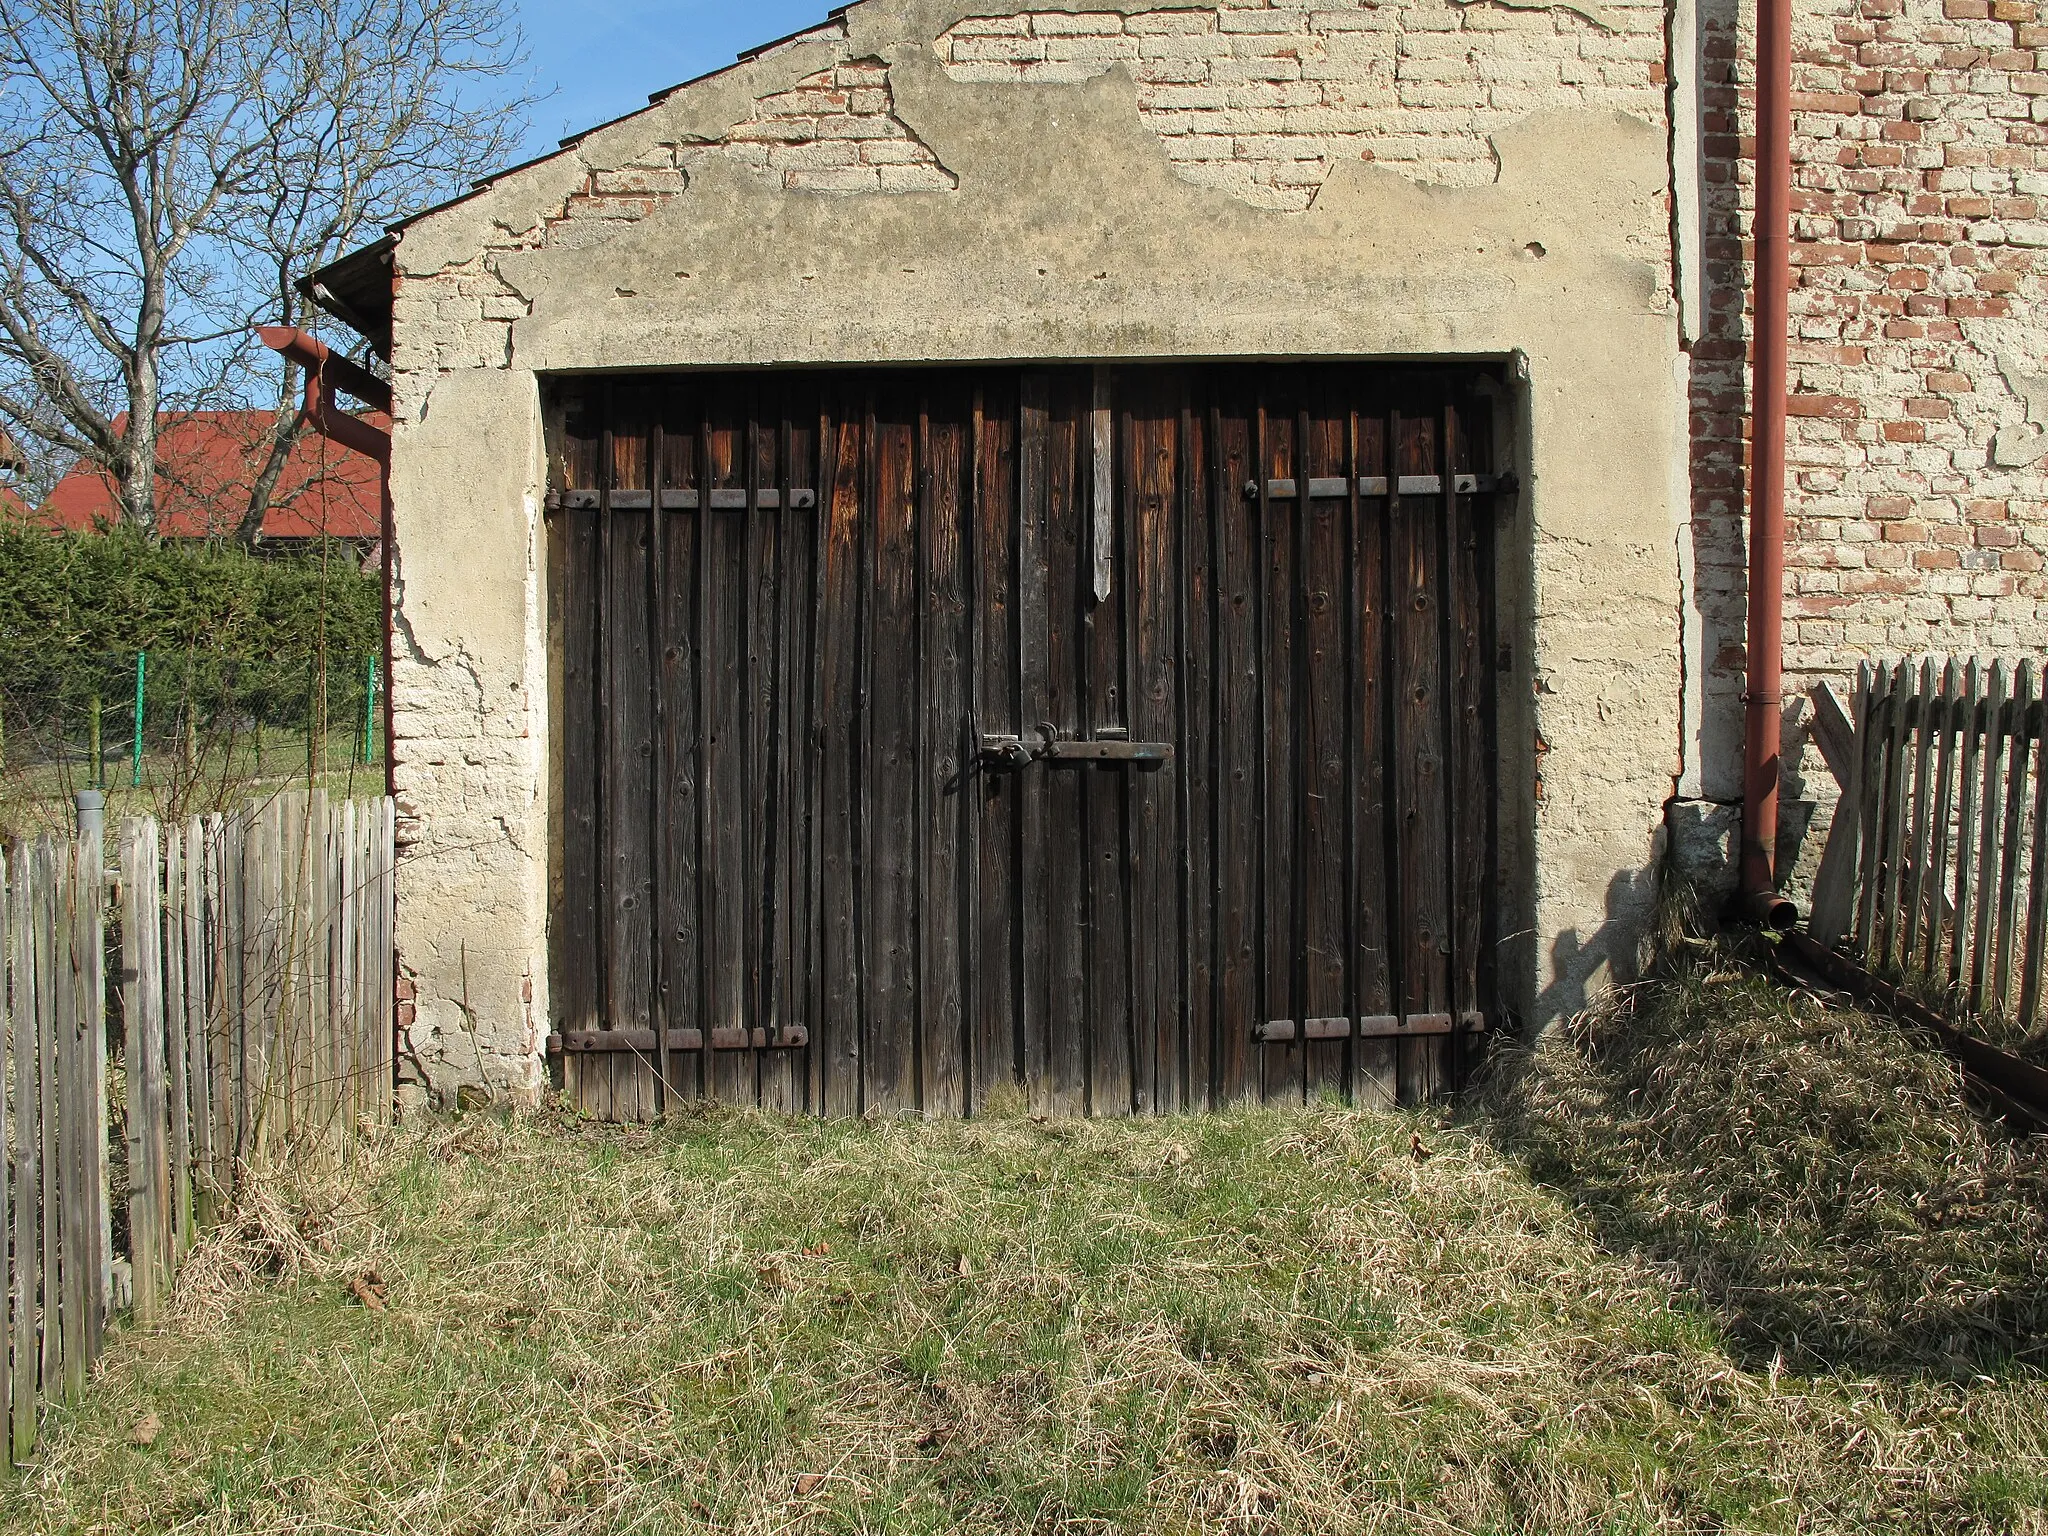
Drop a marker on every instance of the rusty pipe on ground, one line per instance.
(1762, 743)
(326, 372)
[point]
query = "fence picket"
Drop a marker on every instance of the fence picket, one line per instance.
(2020, 709)
(1992, 798)
(2037, 888)
(25, 1286)
(171, 939)
(252, 952)
(1892, 838)
(148, 1133)
(49, 898)
(191, 1047)
(1876, 717)
(1971, 718)
(10, 904)
(1920, 835)
(1936, 920)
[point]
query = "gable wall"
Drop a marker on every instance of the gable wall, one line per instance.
(950, 181)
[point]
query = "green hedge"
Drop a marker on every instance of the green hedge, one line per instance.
(228, 634)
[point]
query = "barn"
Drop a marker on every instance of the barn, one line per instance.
(1128, 555)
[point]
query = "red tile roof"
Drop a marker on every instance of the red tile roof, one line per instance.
(206, 462)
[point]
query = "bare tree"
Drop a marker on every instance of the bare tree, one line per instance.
(170, 168)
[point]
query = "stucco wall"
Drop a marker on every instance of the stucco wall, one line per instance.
(1170, 181)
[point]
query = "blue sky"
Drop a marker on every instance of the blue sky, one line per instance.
(600, 58)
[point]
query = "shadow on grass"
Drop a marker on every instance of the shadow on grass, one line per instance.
(1814, 1174)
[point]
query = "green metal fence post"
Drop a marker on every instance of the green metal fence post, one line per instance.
(370, 715)
(135, 768)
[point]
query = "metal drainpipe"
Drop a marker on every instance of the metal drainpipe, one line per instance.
(325, 371)
(1762, 742)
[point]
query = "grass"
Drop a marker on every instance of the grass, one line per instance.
(1772, 1275)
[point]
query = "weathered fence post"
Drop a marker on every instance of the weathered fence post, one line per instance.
(148, 1142)
(26, 1280)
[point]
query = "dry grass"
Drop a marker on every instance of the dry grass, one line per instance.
(1262, 1322)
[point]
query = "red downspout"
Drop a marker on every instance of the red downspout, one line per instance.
(327, 371)
(1762, 734)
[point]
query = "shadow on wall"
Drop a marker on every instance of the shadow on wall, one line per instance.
(1583, 968)
(1814, 1176)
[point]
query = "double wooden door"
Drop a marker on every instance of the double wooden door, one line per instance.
(1099, 740)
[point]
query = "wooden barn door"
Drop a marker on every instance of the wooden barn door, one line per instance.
(1119, 740)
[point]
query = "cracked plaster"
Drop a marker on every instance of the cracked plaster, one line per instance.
(1069, 235)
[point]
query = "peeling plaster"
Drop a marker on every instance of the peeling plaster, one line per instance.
(1070, 235)
(2021, 445)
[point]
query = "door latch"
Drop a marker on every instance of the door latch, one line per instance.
(1017, 751)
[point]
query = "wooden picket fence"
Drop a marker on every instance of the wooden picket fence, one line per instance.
(255, 1029)
(1933, 871)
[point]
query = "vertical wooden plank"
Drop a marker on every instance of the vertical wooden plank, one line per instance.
(387, 954)
(1897, 800)
(816, 734)
(1375, 1062)
(1876, 772)
(661, 1090)
(2009, 866)
(90, 939)
(574, 959)
(1935, 929)
(1103, 503)
(2035, 746)
(630, 728)
(14, 978)
(946, 753)
(1240, 757)
(1072, 999)
(254, 912)
(997, 999)
(836, 1043)
(52, 979)
(143, 1010)
(191, 1047)
(755, 699)
(1323, 854)
(1195, 766)
(1115, 1051)
(1991, 800)
(179, 1086)
(1834, 886)
(1920, 835)
(16, 985)
(76, 1216)
(682, 723)
(730, 929)
(889, 791)
(25, 1292)
(1033, 891)
(1419, 755)
(322, 1109)
(1279, 602)
(780, 592)
(1467, 576)
(1970, 725)
(1152, 595)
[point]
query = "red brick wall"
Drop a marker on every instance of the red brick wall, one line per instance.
(1920, 259)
